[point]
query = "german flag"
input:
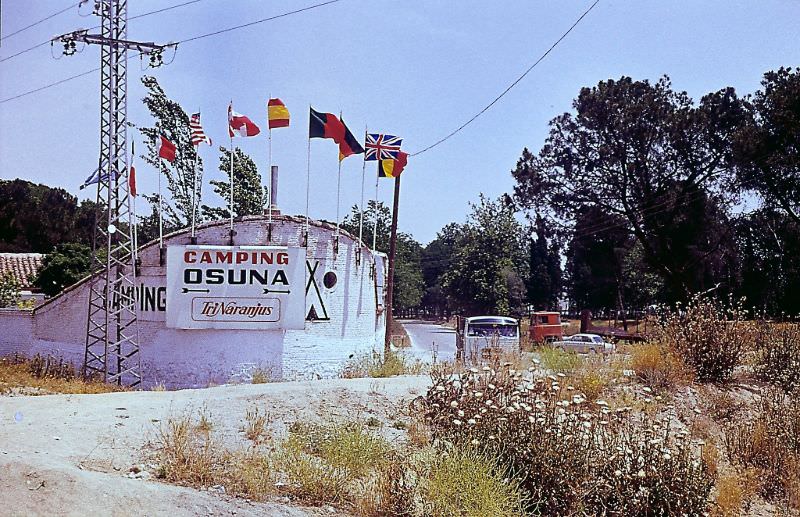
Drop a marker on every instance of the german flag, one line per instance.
(349, 145)
(325, 125)
(393, 168)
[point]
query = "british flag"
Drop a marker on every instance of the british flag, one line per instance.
(381, 147)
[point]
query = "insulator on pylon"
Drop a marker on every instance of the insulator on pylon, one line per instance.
(156, 58)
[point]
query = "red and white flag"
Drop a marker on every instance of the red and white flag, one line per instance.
(197, 134)
(132, 172)
(166, 150)
(240, 125)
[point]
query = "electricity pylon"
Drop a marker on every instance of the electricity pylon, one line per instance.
(112, 333)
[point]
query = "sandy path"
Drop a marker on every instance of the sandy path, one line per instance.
(69, 454)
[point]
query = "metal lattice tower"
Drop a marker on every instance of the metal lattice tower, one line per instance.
(112, 341)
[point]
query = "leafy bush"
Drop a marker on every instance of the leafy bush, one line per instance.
(708, 335)
(468, 483)
(770, 444)
(659, 367)
(569, 455)
(558, 361)
(778, 352)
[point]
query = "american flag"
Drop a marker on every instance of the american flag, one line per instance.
(198, 136)
(381, 147)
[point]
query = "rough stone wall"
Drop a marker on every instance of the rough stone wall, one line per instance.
(347, 323)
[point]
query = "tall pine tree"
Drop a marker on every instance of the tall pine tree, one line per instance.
(249, 197)
(173, 122)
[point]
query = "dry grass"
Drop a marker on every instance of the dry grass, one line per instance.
(43, 375)
(374, 365)
(657, 366)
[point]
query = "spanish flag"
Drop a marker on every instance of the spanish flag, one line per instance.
(392, 168)
(277, 113)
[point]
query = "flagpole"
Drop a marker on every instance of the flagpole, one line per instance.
(375, 227)
(338, 197)
(230, 196)
(308, 178)
(160, 210)
(269, 183)
(194, 183)
(361, 207)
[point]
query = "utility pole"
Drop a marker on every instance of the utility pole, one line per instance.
(390, 280)
(112, 333)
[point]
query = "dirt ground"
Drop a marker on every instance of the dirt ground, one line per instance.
(65, 455)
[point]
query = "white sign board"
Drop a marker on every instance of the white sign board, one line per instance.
(235, 287)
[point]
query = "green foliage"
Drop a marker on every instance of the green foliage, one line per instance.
(437, 258)
(544, 281)
(409, 285)
(650, 156)
(467, 483)
(34, 218)
(249, 196)
(484, 277)
(173, 122)
(9, 290)
(558, 361)
(67, 264)
(766, 147)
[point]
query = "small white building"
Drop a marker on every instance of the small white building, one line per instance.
(343, 311)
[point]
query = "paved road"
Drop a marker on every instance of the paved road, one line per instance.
(428, 339)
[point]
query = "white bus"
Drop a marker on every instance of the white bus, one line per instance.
(483, 338)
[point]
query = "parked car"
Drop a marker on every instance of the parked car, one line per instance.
(584, 344)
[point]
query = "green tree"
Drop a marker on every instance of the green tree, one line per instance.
(173, 122)
(648, 155)
(64, 266)
(409, 285)
(768, 146)
(544, 264)
(249, 197)
(9, 290)
(34, 218)
(437, 258)
(489, 263)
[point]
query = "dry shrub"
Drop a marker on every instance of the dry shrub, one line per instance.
(569, 455)
(331, 463)
(778, 355)
(186, 455)
(730, 496)
(256, 425)
(46, 374)
(249, 474)
(770, 444)
(659, 367)
(722, 406)
(260, 376)
(593, 380)
(709, 335)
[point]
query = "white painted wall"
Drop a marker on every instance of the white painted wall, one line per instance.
(195, 358)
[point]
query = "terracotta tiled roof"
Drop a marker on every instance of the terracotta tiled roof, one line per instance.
(22, 265)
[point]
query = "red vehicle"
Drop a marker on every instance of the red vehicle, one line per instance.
(545, 327)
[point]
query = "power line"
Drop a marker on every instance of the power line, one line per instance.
(520, 78)
(34, 24)
(195, 38)
(143, 15)
(262, 20)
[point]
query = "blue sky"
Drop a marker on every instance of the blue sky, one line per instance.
(411, 68)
